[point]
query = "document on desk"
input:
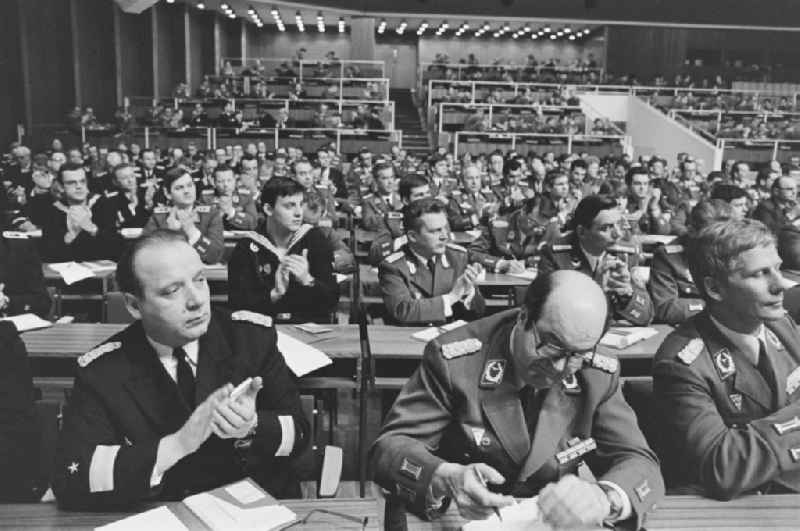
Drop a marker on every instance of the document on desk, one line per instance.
(27, 321)
(221, 515)
(622, 337)
(528, 274)
(522, 516)
(72, 272)
(300, 357)
(159, 518)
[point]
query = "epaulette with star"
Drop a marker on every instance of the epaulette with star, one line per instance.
(96, 352)
(691, 351)
(672, 249)
(561, 247)
(457, 349)
(252, 317)
(602, 362)
(394, 257)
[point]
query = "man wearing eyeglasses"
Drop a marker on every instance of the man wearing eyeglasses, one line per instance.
(781, 208)
(517, 404)
(594, 247)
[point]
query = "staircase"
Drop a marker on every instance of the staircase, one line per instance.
(415, 138)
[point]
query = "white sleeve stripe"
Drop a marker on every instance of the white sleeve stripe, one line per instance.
(287, 436)
(101, 471)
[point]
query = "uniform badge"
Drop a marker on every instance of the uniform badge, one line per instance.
(642, 490)
(253, 247)
(604, 363)
(774, 339)
(695, 307)
(571, 385)
(736, 398)
(724, 363)
(493, 373)
(690, 352)
(793, 381)
(128, 442)
(512, 235)
(577, 448)
(411, 469)
(411, 267)
(266, 268)
(252, 317)
(93, 354)
(477, 434)
(576, 264)
(73, 467)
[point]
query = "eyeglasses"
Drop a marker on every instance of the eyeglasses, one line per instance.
(556, 352)
(359, 520)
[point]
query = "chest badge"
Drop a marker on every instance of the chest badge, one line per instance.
(493, 373)
(266, 269)
(793, 381)
(724, 363)
(736, 399)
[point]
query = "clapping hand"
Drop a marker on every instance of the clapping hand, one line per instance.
(573, 503)
(233, 418)
(297, 264)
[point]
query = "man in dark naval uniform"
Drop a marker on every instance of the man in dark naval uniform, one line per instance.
(727, 381)
(22, 288)
(522, 402)
(594, 248)
(151, 416)
(285, 270)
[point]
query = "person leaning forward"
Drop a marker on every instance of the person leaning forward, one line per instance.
(459, 418)
(727, 381)
(151, 416)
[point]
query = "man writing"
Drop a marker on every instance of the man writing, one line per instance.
(152, 416)
(503, 398)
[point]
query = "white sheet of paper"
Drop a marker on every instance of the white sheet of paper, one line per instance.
(131, 233)
(340, 277)
(159, 518)
(301, 358)
(625, 336)
(244, 492)
(72, 272)
(521, 516)
(220, 515)
(435, 331)
(28, 321)
(529, 274)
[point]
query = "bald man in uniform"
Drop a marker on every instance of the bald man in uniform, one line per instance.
(462, 418)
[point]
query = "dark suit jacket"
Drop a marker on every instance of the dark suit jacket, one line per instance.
(449, 411)
(124, 402)
(675, 296)
(719, 417)
(83, 247)
(211, 244)
(21, 272)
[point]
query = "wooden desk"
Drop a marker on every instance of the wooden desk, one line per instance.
(47, 516)
(67, 340)
(53, 278)
(688, 513)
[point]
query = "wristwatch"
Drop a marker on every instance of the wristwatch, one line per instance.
(615, 502)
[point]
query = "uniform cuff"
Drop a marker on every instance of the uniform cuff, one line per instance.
(627, 508)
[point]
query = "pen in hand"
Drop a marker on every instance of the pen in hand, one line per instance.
(482, 481)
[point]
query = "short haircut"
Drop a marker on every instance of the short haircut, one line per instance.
(727, 192)
(588, 209)
(171, 176)
(222, 168)
(279, 187)
(122, 166)
(707, 212)
(635, 170)
(714, 250)
(68, 166)
(409, 182)
(789, 248)
(126, 276)
(578, 163)
(380, 166)
(551, 176)
(416, 209)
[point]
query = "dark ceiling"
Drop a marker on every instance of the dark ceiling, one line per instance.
(745, 13)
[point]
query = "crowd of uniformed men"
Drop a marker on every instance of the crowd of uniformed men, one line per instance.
(511, 404)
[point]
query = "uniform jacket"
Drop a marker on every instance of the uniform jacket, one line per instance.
(724, 430)
(463, 405)
(445, 187)
(566, 253)
(508, 203)
(208, 221)
(245, 216)
(83, 247)
(386, 243)
(251, 277)
(466, 210)
(124, 402)
(21, 272)
(672, 289)
(412, 295)
(773, 215)
(377, 214)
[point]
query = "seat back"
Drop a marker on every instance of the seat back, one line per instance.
(116, 312)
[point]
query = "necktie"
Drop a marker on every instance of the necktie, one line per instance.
(185, 377)
(764, 367)
(432, 267)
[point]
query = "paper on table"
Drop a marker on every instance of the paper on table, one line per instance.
(100, 266)
(625, 336)
(529, 274)
(520, 516)
(131, 233)
(313, 328)
(340, 277)
(27, 321)
(220, 515)
(435, 331)
(72, 272)
(301, 358)
(159, 518)
(245, 492)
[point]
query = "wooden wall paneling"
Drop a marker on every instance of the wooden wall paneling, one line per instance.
(201, 46)
(136, 54)
(168, 48)
(94, 61)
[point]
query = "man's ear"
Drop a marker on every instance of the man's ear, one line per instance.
(412, 236)
(268, 210)
(713, 288)
(132, 305)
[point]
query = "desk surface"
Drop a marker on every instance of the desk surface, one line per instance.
(47, 516)
(72, 340)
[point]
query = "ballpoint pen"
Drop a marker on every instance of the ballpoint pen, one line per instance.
(483, 482)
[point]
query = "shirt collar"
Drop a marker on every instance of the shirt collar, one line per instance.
(746, 343)
(164, 352)
(593, 260)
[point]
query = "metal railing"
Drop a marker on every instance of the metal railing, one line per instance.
(492, 107)
(568, 140)
(273, 66)
(462, 71)
(759, 150)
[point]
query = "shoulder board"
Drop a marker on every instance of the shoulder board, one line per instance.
(243, 191)
(603, 362)
(456, 192)
(14, 235)
(252, 317)
(95, 353)
(321, 187)
(160, 167)
(456, 247)
(690, 352)
(366, 196)
(622, 249)
(460, 348)
(398, 242)
(394, 257)
(207, 191)
(161, 210)
(524, 184)
(394, 215)
(561, 247)
(113, 193)
(205, 209)
(500, 223)
(93, 200)
(672, 249)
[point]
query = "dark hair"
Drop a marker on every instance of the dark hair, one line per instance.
(551, 176)
(588, 209)
(222, 168)
(578, 163)
(126, 277)
(635, 170)
(707, 212)
(416, 209)
(68, 166)
(727, 192)
(279, 187)
(409, 182)
(171, 176)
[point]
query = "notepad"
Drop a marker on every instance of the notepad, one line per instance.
(529, 274)
(28, 321)
(623, 337)
(220, 515)
(522, 516)
(159, 518)
(313, 328)
(435, 331)
(300, 357)
(72, 272)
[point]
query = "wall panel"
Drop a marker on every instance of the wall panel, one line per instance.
(170, 58)
(12, 109)
(136, 66)
(94, 22)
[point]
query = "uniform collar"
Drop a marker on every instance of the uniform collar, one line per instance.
(164, 352)
(748, 344)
